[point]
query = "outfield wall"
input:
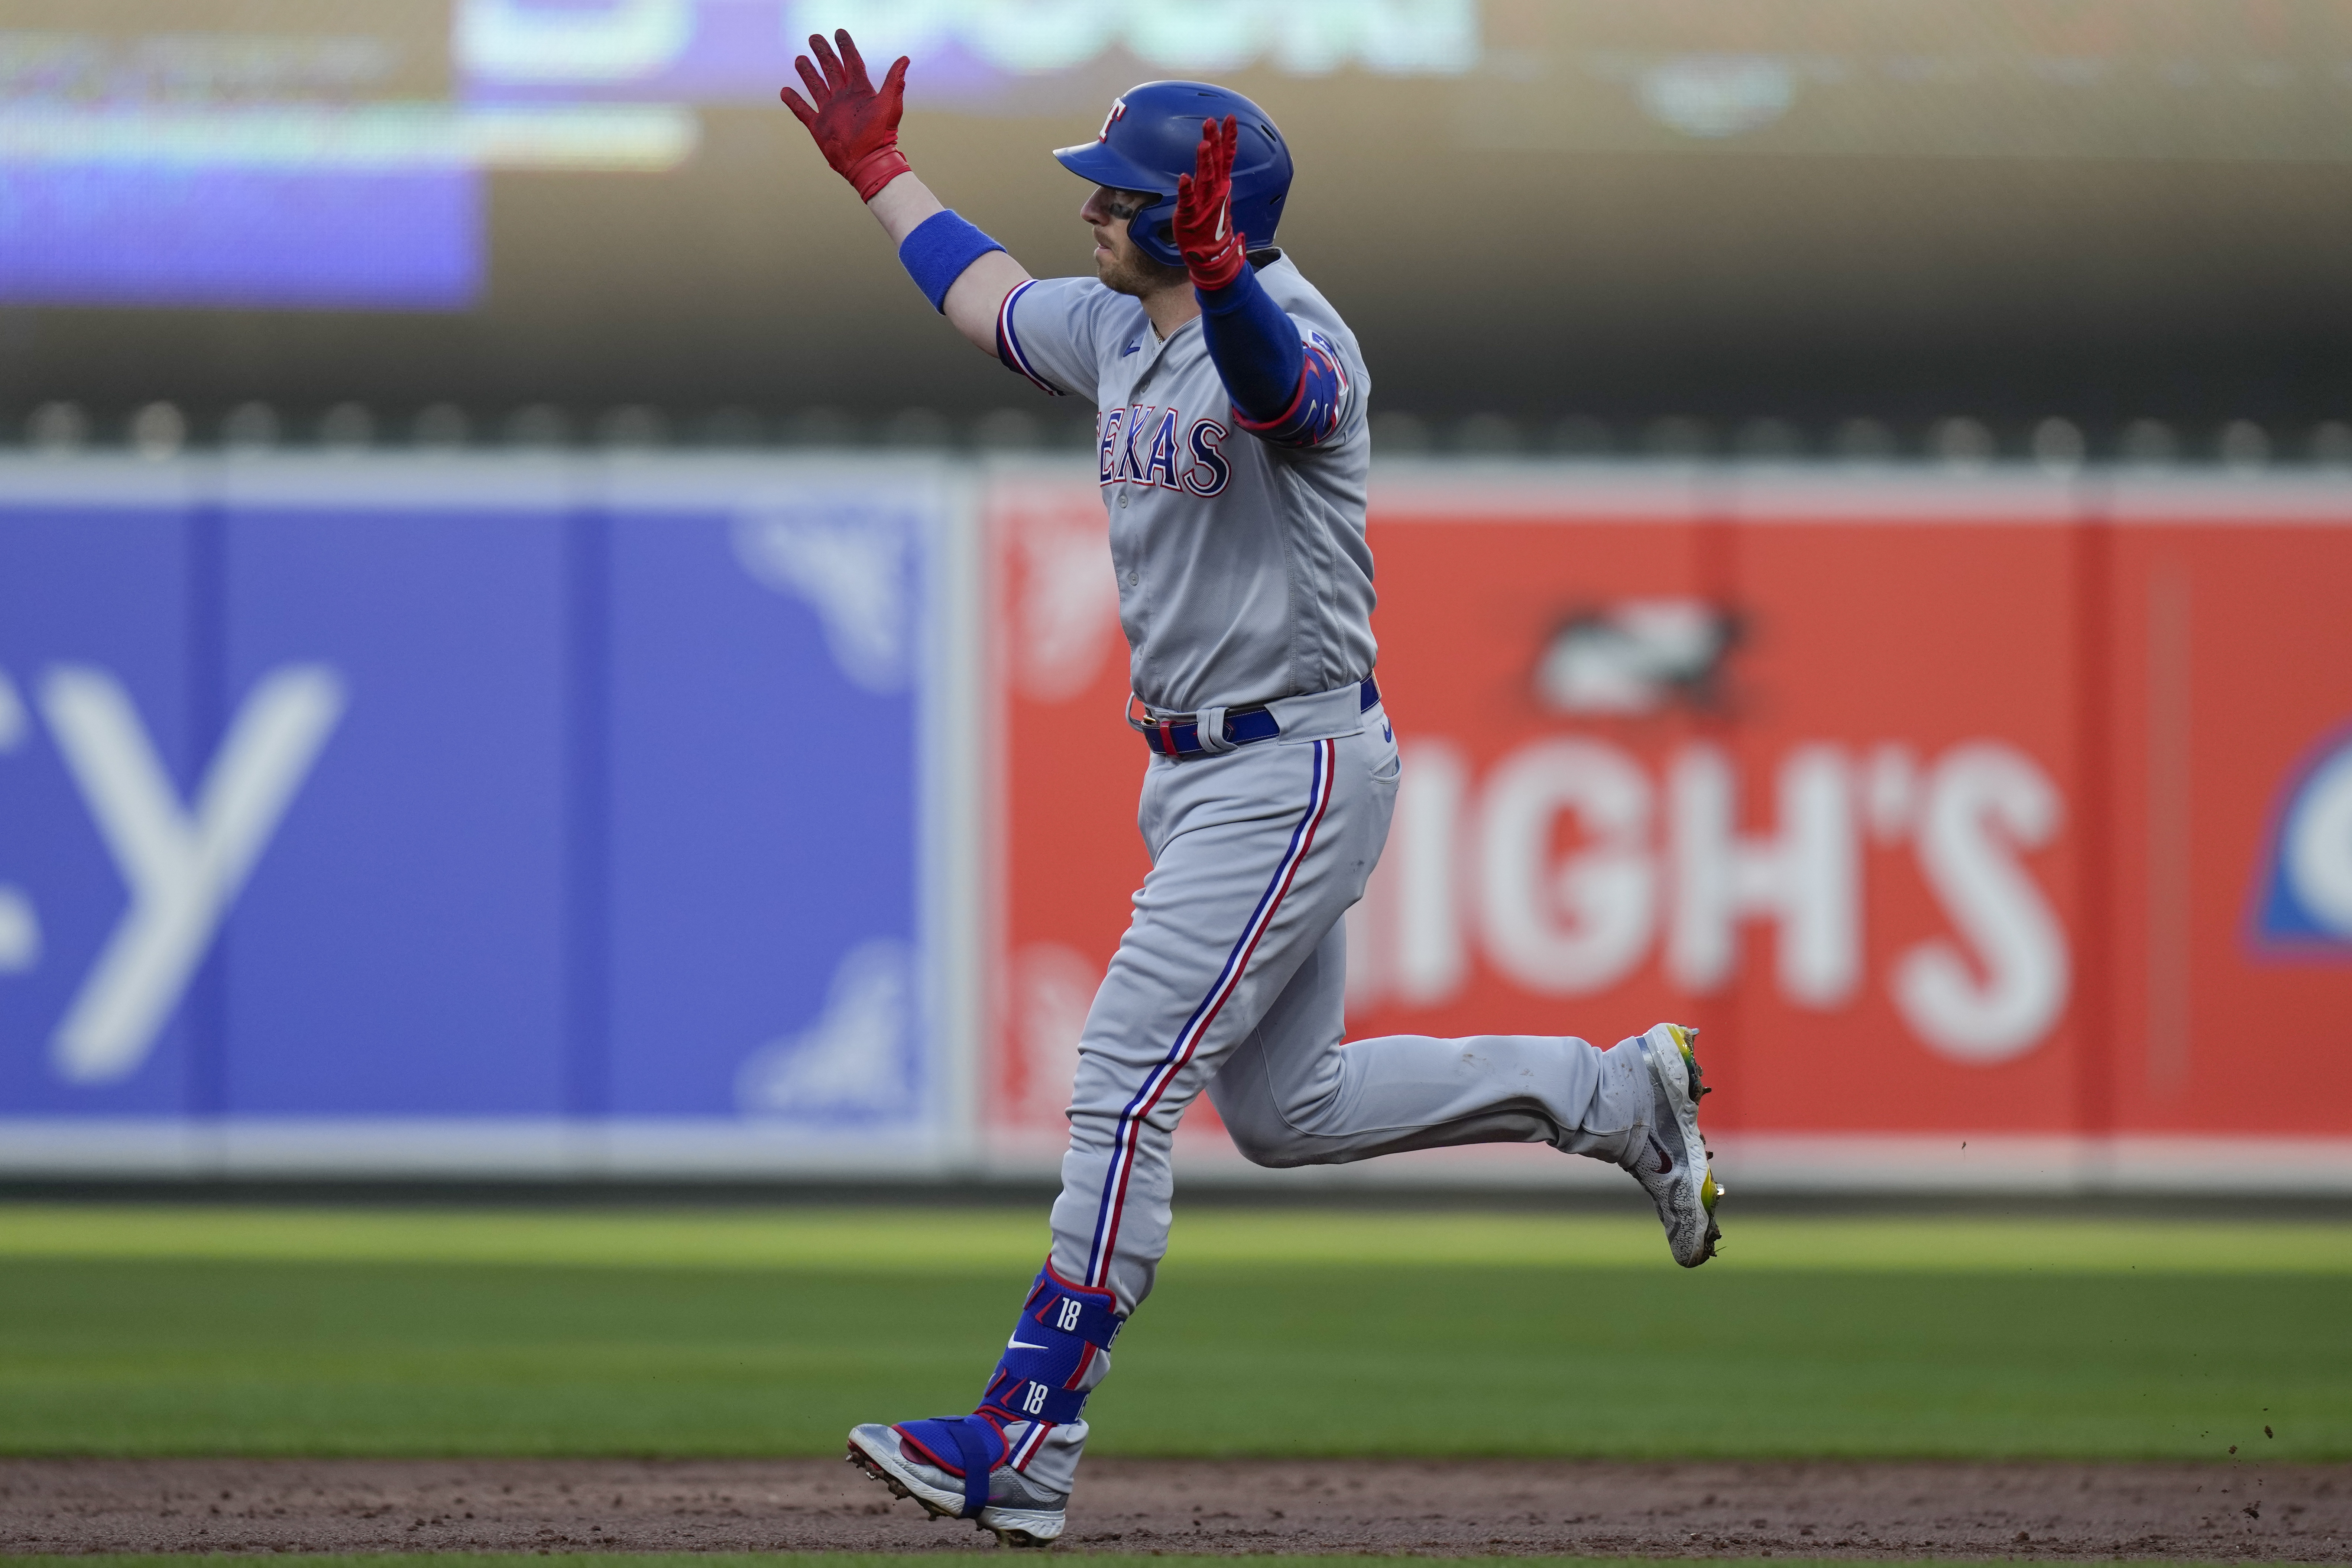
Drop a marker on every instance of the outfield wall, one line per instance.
(672, 816)
(480, 816)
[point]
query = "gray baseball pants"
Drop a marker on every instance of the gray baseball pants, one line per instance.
(1231, 977)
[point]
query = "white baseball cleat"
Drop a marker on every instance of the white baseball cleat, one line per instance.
(1019, 1513)
(1670, 1160)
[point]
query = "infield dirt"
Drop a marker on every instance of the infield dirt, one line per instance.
(2047, 1510)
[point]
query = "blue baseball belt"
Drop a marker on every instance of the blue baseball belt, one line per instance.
(1179, 734)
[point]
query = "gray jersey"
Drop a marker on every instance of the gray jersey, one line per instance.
(1243, 572)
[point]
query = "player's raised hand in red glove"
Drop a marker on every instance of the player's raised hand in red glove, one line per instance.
(855, 123)
(1214, 252)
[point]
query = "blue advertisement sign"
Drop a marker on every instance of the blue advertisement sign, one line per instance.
(400, 950)
(98, 838)
(762, 799)
(343, 801)
(2305, 906)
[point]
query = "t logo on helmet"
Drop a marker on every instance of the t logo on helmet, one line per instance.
(1151, 139)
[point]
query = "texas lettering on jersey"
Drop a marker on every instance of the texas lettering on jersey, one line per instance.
(1244, 573)
(1138, 444)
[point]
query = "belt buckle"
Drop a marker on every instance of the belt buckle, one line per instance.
(1158, 730)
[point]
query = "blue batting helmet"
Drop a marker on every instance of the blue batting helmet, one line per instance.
(1153, 134)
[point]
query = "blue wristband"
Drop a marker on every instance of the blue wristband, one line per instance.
(936, 254)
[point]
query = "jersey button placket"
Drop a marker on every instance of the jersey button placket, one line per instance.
(1135, 395)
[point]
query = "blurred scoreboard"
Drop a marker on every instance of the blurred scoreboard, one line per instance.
(344, 153)
(667, 814)
(338, 153)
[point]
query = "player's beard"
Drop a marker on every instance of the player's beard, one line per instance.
(1129, 271)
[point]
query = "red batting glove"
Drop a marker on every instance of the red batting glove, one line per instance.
(854, 123)
(1214, 252)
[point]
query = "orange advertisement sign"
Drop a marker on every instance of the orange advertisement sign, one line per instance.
(1935, 802)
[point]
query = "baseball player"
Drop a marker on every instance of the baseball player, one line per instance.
(1233, 458)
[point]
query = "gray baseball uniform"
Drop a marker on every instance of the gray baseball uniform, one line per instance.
(1243, 572)
(1243, 579)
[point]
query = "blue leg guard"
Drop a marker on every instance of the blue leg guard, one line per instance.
(978, 1461)
(965, 1446)
(1061, 1329)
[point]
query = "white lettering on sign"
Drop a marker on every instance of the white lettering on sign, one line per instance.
(850, 563)
(1986, 801)
(185, 868)
(20, 932)
(20, 925)
(1431, 957)
(1567, 927)
(1067, 617)
(1806, 878)
(2318, 845)
(1561, 865)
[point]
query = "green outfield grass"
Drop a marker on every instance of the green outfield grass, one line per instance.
(946, 1240)
(252, 1331)
(880, 1560)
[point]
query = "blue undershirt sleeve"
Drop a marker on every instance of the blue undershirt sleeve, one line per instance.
(1285, 389)
(1254, 345)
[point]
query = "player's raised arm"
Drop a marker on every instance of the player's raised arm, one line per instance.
(964, 273)
(1287, 389)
